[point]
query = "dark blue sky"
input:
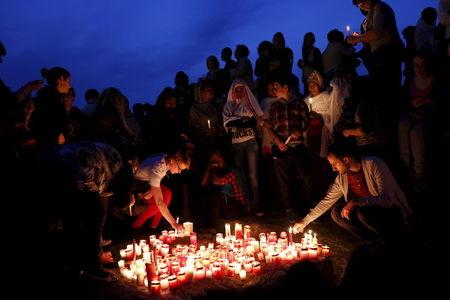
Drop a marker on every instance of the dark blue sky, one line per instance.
(139, 45)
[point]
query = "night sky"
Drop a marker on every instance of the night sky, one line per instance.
(139, 45)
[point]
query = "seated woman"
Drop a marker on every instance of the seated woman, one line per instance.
(224, 192)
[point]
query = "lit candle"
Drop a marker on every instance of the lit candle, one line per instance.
(242, 274)
(312, 253)
(173, 282)
(188, 228)
(347, 29)
(209, 273)
(121, 263)
(164, 283)
(256, 267)
(310, 103)
(291, 240)
(209, 124)
(193, 238)
(227, 230)
(219, 238)
(164, 250)
(248, 267)
(155, 287)
(325, 251)
(247, 232)
(199, 273)
(181, 276)
(238, 231)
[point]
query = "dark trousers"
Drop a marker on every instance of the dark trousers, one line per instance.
(370, 223)
(294, 164)
(216, 206)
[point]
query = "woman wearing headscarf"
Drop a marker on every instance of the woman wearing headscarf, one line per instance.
(240, 117)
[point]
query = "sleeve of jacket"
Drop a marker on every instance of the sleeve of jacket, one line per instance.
(334, 193)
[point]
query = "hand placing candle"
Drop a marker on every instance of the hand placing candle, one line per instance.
(299, 227)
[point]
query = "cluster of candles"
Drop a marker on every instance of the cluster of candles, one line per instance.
(157, 265)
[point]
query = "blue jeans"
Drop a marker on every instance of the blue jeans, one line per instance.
(247, 153)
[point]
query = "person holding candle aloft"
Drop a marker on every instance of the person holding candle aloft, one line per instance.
(374, 203)
(147, 185)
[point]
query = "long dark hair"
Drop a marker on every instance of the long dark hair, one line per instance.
(305, 50)
(54, 74)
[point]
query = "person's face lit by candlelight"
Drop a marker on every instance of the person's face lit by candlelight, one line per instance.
(339, 165)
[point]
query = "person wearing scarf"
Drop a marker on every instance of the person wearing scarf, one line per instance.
(240, 114)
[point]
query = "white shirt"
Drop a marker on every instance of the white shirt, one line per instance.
(152, 169)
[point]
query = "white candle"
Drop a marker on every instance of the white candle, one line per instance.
(188, 228)
(209, 124)
(227, 230)
(347, 29)
(242, 274)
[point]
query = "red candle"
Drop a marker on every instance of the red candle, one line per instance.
(181, 276)
(256, 267)
(238, 231)
(247, 232)
(155, 287)
(193, 238)
(173, 282)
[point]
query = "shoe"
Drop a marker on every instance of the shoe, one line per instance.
(98, 276)
(105, 243)
(260, 213)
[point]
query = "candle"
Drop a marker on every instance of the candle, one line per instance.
(262, 237)
(219, 239)
(173, 282)
(325, 251)
(188, 228)
(164, 283)
(256, 267)
(140, 277)
(209, 273)
(291, 240)
(193, 238)
(155, 287)
(164, 250)
(181, 276)
(248, 267)
(247, 232)
(199, 273)
(227, 230)
(310, 103)
(347, 29)
(242, 274)
(312, 253)
(209, 124)
(238, 231)
(121, 263)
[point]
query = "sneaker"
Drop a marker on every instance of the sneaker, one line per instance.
(98, 276)
(104, 243)
(259, 213)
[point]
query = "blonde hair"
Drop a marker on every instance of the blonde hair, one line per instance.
(180, 158)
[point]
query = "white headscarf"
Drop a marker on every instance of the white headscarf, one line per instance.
(236, 108)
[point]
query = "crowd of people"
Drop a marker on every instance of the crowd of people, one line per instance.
(240, 141)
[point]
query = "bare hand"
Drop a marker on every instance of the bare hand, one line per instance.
(34, 85)
(177, 227)
(346, 132)
(347, 210)
(281, 145)
(299, 227)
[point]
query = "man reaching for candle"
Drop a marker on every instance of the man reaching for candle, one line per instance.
(374, 203)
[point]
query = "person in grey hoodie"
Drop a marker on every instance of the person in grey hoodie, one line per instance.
(374, 206)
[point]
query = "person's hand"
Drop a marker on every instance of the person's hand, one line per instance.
(346, 132)
(295, 134)
(106, 257)
(354, 38)
(178, 227)
(34, 85)
(299, 227)
(347, 210)
(418, 101)
(280, 144)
